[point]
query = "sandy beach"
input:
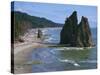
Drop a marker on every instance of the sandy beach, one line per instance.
(23, 50)
(21, 55)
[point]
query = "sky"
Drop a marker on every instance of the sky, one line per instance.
(57, 12)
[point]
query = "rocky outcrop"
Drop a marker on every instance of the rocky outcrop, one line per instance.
(39, 34)
(74, 34)
(84, 37)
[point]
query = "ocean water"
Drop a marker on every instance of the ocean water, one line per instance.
(63, 58)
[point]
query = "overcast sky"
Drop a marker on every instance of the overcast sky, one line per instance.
(57, 12)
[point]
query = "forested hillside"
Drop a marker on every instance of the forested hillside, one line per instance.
(23, 22)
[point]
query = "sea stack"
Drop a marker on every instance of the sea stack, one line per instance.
(74, 34)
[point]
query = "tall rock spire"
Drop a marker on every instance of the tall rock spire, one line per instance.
(68, 32)
(84, 33)
(74, 34)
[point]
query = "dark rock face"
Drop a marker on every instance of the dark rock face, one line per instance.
(39, 35)
(84, 34)
(68, 33)
(74, 34)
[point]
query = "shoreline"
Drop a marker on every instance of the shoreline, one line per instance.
(23, 51)
(21, 57)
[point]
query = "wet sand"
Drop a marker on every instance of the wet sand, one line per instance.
(23, 50)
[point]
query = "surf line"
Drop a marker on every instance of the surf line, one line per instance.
(70, 61)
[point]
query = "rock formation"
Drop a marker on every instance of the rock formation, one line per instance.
(84, 37)
(74, 34)
(39, 35)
